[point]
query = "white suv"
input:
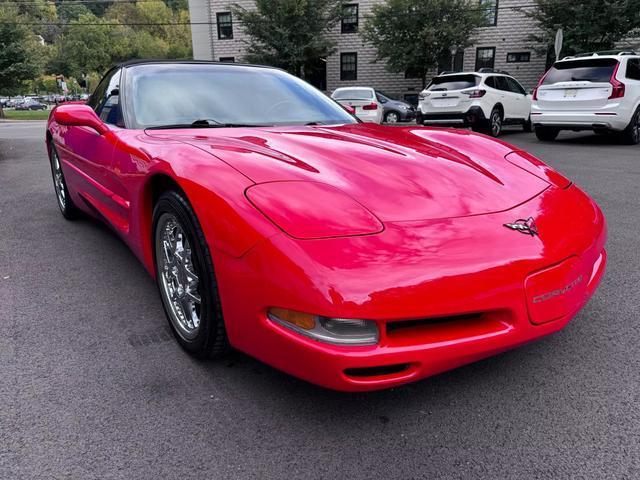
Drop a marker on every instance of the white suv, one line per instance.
(599, 92)
(484, 100)
(362, 100)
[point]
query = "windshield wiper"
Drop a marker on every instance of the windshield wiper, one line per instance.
(203, 123)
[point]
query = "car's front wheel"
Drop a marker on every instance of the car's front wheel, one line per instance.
(186, 278)
(527, 126)
(66, 205)
(392, 117)
(547, 134)
(494, 127)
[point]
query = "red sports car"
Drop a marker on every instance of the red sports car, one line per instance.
(352, 255)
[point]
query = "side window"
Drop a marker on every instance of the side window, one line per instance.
(105, 100)
(109, 108)
(515, 87)
(501, 84)
(633, 69)
(490, 82)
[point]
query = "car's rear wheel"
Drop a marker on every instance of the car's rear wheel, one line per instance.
(66, 205)
(392, 117)
(631, 134)
(527, 126)
(186, 278)
(547, 134)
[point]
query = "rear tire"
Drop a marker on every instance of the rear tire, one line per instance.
(186, 279)
(547, 134)
(631, 134)
(527, 126)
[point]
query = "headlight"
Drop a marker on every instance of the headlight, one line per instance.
(311, 210)
(338, 331)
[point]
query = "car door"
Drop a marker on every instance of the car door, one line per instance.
(522, 104)
(507, 97)
(88, 156)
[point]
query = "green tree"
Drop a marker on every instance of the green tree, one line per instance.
(19, 52)
(411, 35)
(290, 34)
(45, 84)
(588, 25)
(85, 45)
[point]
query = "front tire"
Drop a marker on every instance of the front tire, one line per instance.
(527, 126)
(186, 279)
(392, 117)
(66, 205)
(547, 134)
(494, 127)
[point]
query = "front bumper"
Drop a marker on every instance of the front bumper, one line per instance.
(439, 300)
(472, 117)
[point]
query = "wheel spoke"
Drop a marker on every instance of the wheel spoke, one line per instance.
(179, 277)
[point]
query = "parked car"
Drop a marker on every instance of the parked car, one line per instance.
(393, 110)
(344, 253)
(363, 100)
(484, 100)
(598, 91)
(31, 105)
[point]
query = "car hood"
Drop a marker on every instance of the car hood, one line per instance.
(398, 173)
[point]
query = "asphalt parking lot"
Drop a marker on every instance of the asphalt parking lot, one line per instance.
(93, 386)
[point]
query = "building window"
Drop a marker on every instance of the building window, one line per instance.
(228, 59)
(490, 11)
(349, 18)
(485, 57)
(349, 66)
(225, 25)
(518, 57)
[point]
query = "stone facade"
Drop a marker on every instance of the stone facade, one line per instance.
(507, 36)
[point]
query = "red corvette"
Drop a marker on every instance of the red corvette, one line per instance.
(352, 255)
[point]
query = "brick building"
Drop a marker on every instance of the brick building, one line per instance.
(501, 44)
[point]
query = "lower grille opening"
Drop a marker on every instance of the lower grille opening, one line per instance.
(393, 327)
(452, 328)
(377, 371)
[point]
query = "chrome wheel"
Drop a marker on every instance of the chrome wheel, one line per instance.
(496, 123)
(179, 282)
(392, 117)
(58, 180)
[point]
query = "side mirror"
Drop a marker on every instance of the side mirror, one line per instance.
(349, 109)
(79, 115)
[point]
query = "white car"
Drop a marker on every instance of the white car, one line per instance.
(599, 92)
(484, 100)
(362, 100)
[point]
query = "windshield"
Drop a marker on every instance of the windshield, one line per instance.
(165, 94)
(353, 94)
(594, 70)
(453, 82)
